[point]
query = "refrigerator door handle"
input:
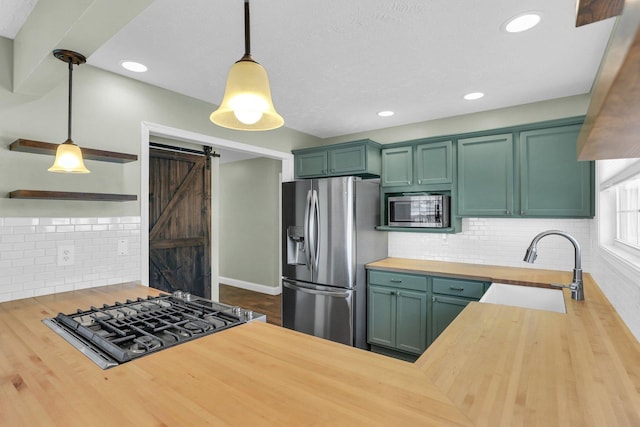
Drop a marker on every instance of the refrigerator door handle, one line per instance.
(290, 285)
(307, 218)
(316, 229)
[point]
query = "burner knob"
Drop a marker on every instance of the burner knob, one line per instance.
(248, 314)
(236, 311)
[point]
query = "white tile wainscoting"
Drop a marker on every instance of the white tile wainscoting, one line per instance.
(29, 254)
(499, 241)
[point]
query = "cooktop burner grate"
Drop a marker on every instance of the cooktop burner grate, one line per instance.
(115, 334)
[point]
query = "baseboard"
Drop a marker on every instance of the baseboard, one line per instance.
(256, 287)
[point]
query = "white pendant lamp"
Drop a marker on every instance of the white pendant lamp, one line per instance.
(247, 104)
(68, 155)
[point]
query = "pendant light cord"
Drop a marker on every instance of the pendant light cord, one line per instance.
(247, 32)
(69, 115)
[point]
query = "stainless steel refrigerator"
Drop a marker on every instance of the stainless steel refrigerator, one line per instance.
(328, 236)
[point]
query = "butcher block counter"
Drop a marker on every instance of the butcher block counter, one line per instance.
(493, 366)
(508, 366)
(253, 374)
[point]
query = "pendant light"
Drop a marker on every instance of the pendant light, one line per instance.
(68, 155)
(247, 104)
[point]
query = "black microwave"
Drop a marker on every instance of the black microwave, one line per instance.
(423, 210)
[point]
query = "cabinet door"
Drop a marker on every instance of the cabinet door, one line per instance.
(411, 327)
(444, 310)
(311, 164)
(434, 163)
(381, 316)
(347, 160)
(485, 176)
(553, 182)
(397, 166)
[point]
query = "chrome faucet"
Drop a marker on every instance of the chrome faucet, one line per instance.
(577, 291)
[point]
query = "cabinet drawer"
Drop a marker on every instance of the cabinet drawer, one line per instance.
(458, 287)
(398, 280)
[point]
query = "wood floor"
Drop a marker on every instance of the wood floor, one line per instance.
(268, 304)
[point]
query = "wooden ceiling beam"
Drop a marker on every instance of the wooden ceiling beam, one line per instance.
(590, 11)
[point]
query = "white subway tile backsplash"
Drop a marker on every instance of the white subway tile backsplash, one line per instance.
(29, 246)
(498, 241)
(8, 222)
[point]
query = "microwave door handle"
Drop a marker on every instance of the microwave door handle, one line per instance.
(315, 242)
(307, 213)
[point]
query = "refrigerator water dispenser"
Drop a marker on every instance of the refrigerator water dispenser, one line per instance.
(295, 245)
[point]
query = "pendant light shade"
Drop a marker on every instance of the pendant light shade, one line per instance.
(68, 155)
(68, 159)
(247, 104)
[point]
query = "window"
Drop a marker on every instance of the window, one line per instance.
(627, 212)
(619, 208)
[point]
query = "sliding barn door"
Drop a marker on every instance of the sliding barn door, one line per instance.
(179, 222)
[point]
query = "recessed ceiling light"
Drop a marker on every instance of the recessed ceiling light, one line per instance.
(385, 113)
(136, 67)
(522, 22)
(473, 95)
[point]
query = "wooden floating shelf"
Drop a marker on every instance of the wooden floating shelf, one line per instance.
(69, 195)
(40, 147)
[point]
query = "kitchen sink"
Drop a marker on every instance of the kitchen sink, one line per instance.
(525, 297)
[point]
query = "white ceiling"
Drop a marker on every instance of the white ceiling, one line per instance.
(13, 13)
(333, 63)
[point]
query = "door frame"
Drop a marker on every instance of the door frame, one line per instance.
(149, 129)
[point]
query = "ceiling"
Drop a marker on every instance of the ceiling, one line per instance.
(334, 64)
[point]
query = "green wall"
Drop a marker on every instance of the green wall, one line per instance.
(107, 113)
(249, 221)
(486, 120)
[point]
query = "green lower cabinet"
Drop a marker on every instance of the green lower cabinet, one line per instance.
(381, 322)
(443, 311)
(411, 321)
(397, 319)
(407, 312)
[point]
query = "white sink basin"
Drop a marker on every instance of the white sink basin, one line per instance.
(525, 297)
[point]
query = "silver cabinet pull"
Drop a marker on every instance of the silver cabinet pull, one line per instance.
(395, 281)
(456, 289)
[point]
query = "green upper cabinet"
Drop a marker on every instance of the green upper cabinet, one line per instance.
(485, 175)
(552, 182)
(397, 166)
(360, 158)
(529, 172)
(434, 163)
(311, 164)
(347, 160)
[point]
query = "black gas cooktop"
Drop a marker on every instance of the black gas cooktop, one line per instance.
(117, 333)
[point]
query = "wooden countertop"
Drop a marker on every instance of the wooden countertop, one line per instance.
(508, 366)
(254, 374)
(487, 273)
(494, 366)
